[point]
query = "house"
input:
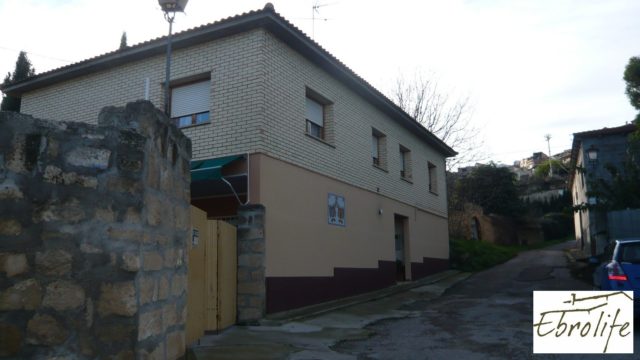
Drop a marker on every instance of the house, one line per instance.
(563, 157)
(531, 162)
(352, 187)
(592, 152)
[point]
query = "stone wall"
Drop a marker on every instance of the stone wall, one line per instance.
(93, 229)
(496, 229)
(251, 264)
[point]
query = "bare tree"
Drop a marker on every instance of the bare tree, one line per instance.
(449, 119)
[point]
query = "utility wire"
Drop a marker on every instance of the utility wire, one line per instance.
(36, 54)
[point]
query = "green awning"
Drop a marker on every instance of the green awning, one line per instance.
(210, 169)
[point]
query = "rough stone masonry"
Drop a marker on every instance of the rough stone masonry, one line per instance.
(93, 229)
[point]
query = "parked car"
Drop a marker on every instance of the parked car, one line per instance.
(620, 269)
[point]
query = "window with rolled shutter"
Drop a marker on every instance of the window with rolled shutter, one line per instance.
(315, 118)
(375, 149)
(190, 104)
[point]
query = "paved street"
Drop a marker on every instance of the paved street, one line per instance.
(488, 316)
(485, 316)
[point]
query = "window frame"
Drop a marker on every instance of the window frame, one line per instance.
(380, 139)
(432, 174)
(375, 143)
(406, 171)
(312, 128)
(192, 80)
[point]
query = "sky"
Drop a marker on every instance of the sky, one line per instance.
(530, 67)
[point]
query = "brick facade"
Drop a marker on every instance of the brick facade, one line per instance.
(258, 87)
(261, 69)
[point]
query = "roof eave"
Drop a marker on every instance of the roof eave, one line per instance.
(327, 63)
(266, 19)
(138, 52)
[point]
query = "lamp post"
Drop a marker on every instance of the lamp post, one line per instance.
(592, 153)
(548, 138)
(170, 7)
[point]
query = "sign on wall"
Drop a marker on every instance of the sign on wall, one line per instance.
(336, 206)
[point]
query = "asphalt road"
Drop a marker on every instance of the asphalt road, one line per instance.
(487, 316)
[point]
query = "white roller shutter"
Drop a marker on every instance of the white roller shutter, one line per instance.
(190, 99)
(314, 112)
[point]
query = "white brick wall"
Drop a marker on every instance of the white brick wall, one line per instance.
(258, 89)
(288, 74)
(237, 96)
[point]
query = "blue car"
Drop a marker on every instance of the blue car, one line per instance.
(620, 269)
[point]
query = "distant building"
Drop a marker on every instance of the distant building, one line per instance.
(531, 162)
(464, 171)
(564, 157)
(521, 173)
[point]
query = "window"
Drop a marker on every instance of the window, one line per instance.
(433, 178)
(405, 163)
(375, 149)
(378, 149)
(315, 118)
(190, 104)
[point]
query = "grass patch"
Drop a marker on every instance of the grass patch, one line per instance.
(473, 255)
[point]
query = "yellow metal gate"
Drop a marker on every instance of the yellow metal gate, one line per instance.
(211, 296)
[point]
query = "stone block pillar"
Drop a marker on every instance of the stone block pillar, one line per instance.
(251, 264)
(93, 228)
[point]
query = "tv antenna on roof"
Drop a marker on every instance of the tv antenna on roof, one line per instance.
(315, 10)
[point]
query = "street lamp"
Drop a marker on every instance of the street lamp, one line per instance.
(592, 153)
(170, 7)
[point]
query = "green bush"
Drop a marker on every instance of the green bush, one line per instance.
(473, 255)
(557, 225)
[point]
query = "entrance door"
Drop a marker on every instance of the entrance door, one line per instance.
(212, 276)
(401, 248)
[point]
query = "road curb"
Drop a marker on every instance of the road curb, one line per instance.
(313, 310)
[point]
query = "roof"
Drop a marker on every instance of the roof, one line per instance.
(578, 137)
(266, 18)
(620, 130)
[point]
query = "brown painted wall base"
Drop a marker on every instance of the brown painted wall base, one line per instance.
(428, 266)
(286, 293)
